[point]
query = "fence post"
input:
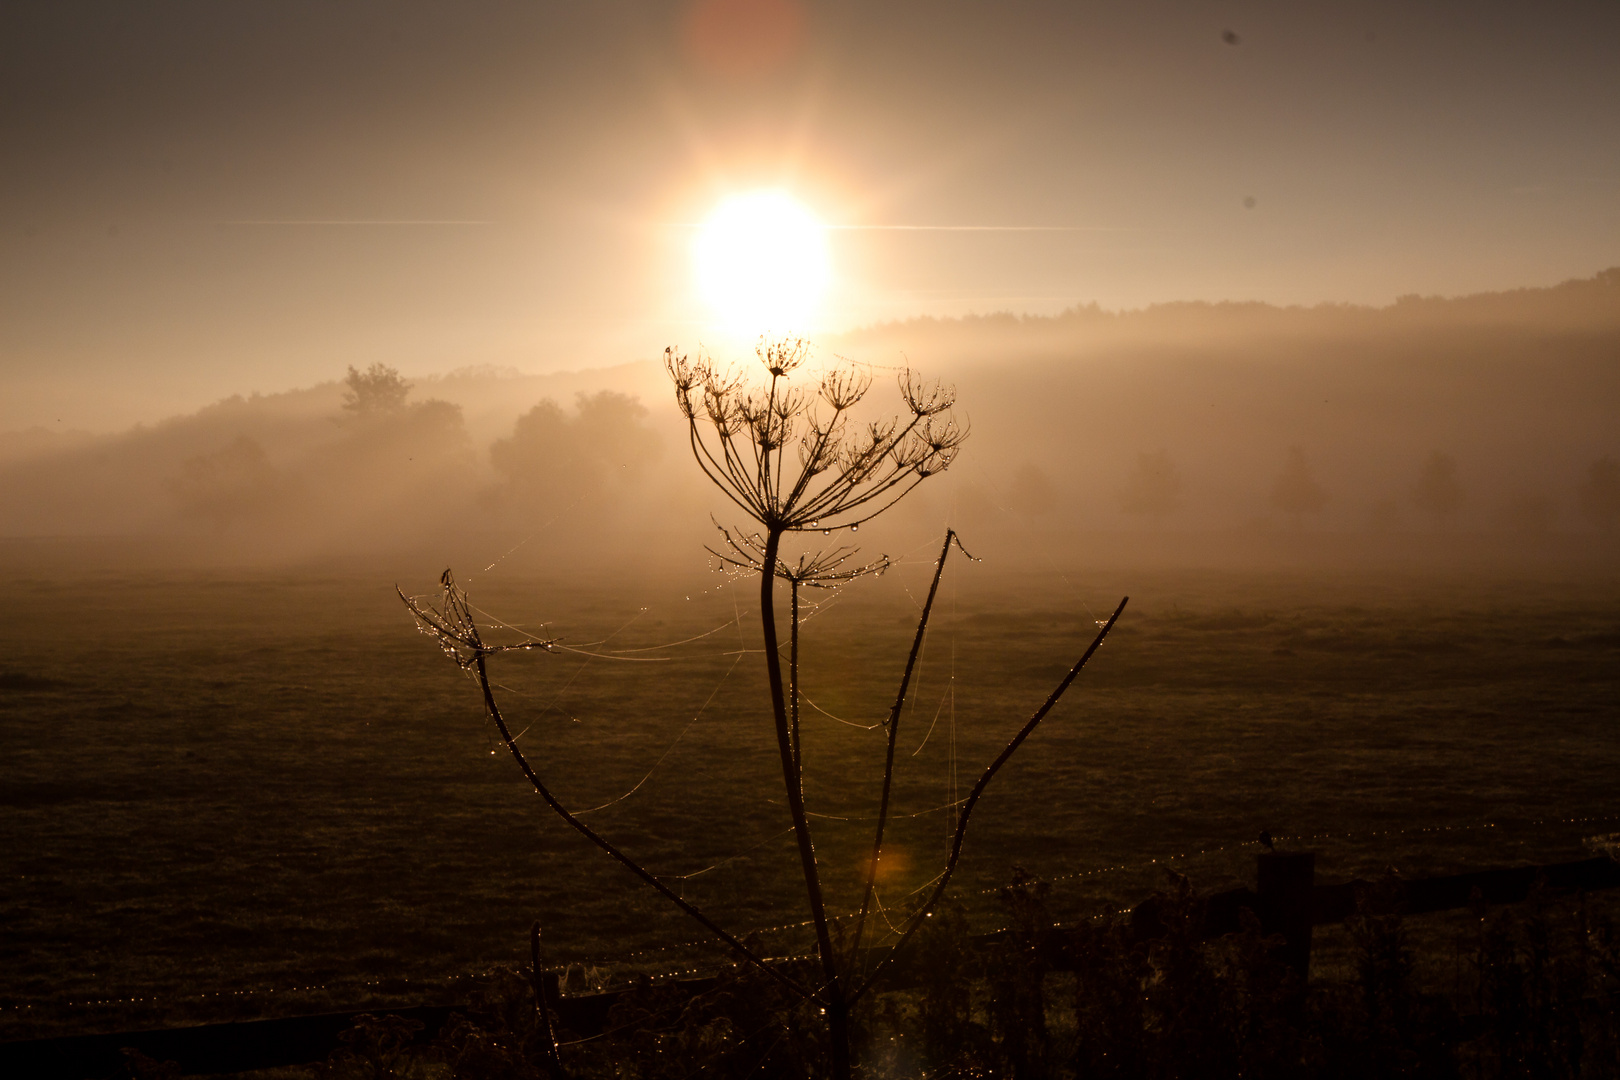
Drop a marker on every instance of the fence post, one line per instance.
(1285, 883)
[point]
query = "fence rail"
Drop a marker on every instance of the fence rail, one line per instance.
(1289, 902)
(1286, 900)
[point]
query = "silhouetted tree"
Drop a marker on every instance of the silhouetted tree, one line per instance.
(386, 467)
(1154, 487)
(1296, 491)
(552, 456)
(377, 391)
(1600, 493)
(1438, 490)
(227, 484)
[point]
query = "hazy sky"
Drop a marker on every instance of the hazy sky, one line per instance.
(203, 198)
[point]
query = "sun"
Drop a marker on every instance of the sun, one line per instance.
(761, 262)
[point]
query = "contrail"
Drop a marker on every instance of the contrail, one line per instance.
(354, 221)
(689, 225)
(683, 225)
(979, 228)
(947, 228)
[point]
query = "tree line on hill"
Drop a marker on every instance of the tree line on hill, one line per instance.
(1440, 418)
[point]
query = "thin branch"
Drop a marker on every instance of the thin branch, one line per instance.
(470, 638)
(718, 474)
(793, 678)
(894, 734)
(630, 864)
(909, 481)
(978, 790)
(543, 1006)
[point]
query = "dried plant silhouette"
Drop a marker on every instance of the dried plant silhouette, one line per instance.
(794, 461)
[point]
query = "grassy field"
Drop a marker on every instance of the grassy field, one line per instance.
(251, 794)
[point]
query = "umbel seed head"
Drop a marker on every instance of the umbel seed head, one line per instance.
(843, 471)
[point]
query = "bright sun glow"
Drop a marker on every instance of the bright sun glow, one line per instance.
(761, 261)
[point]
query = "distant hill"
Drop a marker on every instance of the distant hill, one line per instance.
(1574, 308)
(1188, 418)
(1520, 389)
(290, 475)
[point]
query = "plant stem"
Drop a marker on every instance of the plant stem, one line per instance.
(793, 679)
(591, 835)
(793, 781)
(542, 1005)
(894, 733)
(978, 790)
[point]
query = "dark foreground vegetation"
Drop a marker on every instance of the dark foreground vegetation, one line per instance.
(1528, 990)
(232, 815)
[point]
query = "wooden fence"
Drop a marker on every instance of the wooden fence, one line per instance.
(1285, 899)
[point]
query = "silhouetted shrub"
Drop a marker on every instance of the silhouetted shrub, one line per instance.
(1144, 995)
(1543, 989)
(553, 460)
(380, 1048)
(1381, 1025)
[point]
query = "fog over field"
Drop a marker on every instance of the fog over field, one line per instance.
(1248, 372)
(1479, 427)
(1373, 566)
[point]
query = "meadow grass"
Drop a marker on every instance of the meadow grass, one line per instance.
(245, 795)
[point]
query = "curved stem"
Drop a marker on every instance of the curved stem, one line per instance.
(590, 834)
(793, 781)
(717, 474)
(973, 798)
(805, 475)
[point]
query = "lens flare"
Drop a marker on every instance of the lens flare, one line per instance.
(761, 262)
